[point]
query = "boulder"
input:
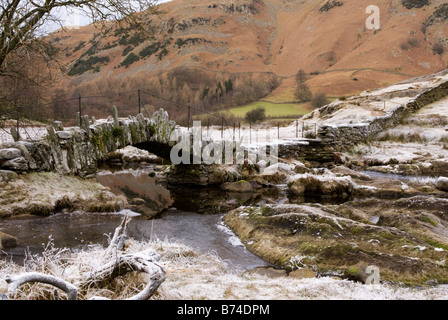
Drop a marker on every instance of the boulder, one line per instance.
(7, 241)
(442, 184)
(17, 164)
(240, 186)
(9, 154)
(6, 176)
(304, 273)
(359, 272)
(269, 272)
(344, 171)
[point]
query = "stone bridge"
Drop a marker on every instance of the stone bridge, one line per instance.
(77, 150)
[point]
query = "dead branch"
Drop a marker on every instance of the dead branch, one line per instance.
(121, 264)
(141, 261)
(16, 281)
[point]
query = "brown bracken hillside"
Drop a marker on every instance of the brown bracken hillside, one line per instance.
(220, 53)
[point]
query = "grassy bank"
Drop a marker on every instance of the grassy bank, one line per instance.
(45, 193)
(273, 110)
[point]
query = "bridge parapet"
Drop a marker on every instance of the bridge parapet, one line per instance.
(77, 150)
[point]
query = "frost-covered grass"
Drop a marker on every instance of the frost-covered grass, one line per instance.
(197, 276)
(45, 192)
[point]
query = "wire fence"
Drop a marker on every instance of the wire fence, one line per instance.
(29, 122)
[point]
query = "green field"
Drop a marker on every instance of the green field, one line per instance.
(273, 110)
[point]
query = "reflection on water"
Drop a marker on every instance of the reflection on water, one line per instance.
(141, 190)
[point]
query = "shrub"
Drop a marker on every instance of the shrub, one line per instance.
(130, 59)
(319, 100)
(79, 46)
(330, 5)
(92, 63)
(409, 4)
(127, 50)
(438, 48)
(255, 115)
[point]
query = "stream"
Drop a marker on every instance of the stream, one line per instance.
(189, 215)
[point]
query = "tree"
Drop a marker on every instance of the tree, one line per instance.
(255, 115)
(23, 22)
(303, 92)
(319, 100)
(301, 76)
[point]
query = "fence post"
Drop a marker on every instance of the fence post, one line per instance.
(303, 129)
(79, 111)
(250, 132)
(297, 129)
(234, 128)
(18, 124)
(139, 102)
(188, 124)
(222, 127)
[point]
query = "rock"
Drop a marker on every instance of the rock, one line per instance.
(301, 168)
(6, 176)
(268, 272)
(58, 126)
(297, 188)
(442, 184)
(9, 154)
(64, 135)
(322, 185)
(304, 273)
(240, 186)
(7, 241)
(137, 201)
(344, 171)
(17, 164)
(358, 272)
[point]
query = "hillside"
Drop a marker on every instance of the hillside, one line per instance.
(222, 53)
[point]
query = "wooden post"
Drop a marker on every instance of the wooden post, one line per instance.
(297, 128)
(79, 106)
(188, 121)
(222, 127)
(18, 124)
(250, 133)
(139, 102)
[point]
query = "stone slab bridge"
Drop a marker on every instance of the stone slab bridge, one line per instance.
(77, 150)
